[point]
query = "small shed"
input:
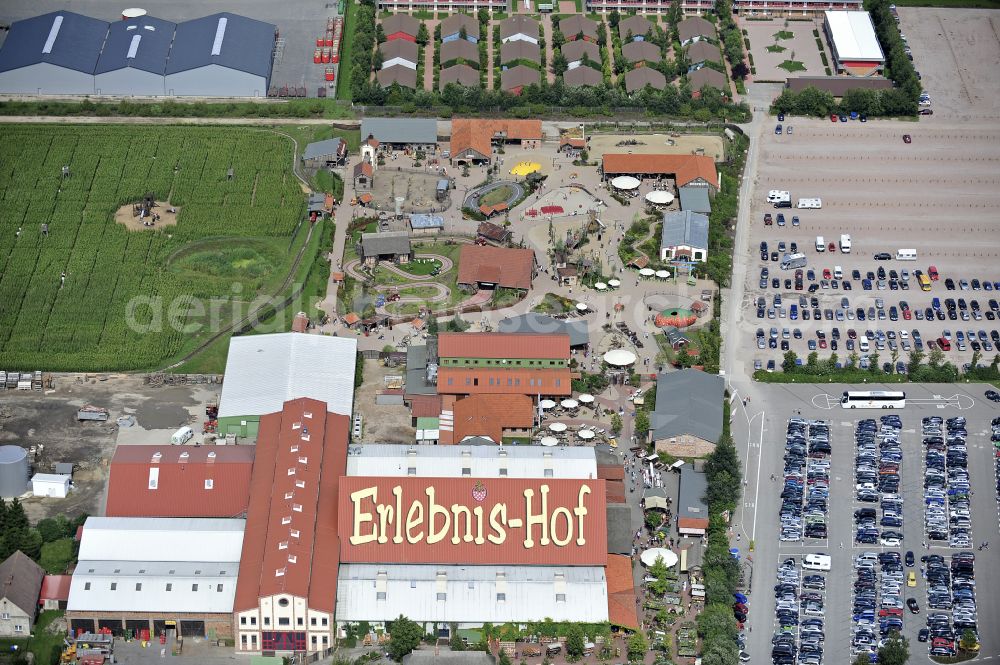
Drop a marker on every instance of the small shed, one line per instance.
(52, 485)
(64, 468)
(424, 224)
(443, 185)
(331, 152)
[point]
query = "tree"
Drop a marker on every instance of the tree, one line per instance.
(574, 640)
(718, 652)
(637, 646)
(616, 423)
(862, 659)
(614, 18)
(935, 358)
(896, 650)
(456, 642)
(504, 658)
(404, 637)
(641, 424)
(916, 357)
(968, 641)
(422, 35)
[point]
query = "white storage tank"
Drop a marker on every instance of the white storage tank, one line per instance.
(13, 471)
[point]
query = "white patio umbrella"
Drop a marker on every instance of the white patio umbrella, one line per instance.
(557, 427)
(660, 198)
(614, 283)
(625, 182)
(585, 398)
(619, 358)
(650, 556)
(581, 306)
(662, 274)
(585, 434)
(549, 441)
(600, 286)
(569, 404)
(547, 404)
(647, 272)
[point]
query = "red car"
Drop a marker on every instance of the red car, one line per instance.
(944, 344)
(822, 344)
(890, 612)
(933, 273)
(833, 117)
(827, 274)
(907, 315)
(832, 247)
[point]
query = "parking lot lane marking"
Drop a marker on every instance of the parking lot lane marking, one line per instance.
(824, 401)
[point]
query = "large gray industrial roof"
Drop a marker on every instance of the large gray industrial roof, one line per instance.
(400, 130)
(142, 43)
(695, 199)
(322, 148)
(388, 242)
(691, 499)
(224, 39)
(684, 228)
(619, 528)
(533, 322)
(63, 38)
(265, 371)
(688, 402)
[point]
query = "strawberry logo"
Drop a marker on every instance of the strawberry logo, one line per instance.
(479, 491)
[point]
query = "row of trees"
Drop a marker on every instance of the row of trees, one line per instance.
(921, 367)
(732, 39)
(716, 624)
(50, 543)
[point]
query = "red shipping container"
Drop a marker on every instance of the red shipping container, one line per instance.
(319, 41)
(326, 55)
(317, 56)
(329, 38)
(330, 73)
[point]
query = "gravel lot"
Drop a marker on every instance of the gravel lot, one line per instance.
(765, 419)
(938, 195)
(947, 42)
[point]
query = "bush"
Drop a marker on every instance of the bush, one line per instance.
(57, 555)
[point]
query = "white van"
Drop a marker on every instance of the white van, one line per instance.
(814, 204)
(906, 255)
(816, 562)
(181, 436)
(820, 244)
(838, 272)
(863, 345)
(845, 243)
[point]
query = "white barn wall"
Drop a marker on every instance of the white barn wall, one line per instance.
(215, 81)
(46, 79)
(129, 82)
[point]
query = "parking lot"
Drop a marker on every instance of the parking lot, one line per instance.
(936, 195)
(761, 426)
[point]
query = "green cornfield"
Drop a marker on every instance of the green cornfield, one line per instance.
(131, 300)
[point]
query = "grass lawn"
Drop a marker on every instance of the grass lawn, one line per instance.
(792, 66)
(498, 195)
(45, 646)
(420, 266)
(347, 52)
(356, 236)
(784, 34)
(418, 291)
(776, 48)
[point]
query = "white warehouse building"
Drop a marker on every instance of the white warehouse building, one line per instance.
(63, 53)
(134, 58)
(52, 54)
(223, 55)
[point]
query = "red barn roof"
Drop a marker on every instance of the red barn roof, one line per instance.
(302, 453)
(684, 168)
(498, 381)
(477, 263)
(621, 592)
(488, 415)
(502, 345)
(179, 481)
(55, 587)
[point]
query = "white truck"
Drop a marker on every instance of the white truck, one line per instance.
(845, 243)
(820, 244)
(791, 261)
(776, 195)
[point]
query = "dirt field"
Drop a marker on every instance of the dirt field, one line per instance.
(803, 46)
(938, 195)
(684, 144)
(418, 188)
(957, 53)
(49, 420)
(382, 424)
(124, 217)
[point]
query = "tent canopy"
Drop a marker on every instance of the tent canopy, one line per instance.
(650, 556)
(660, 198)
(625, 182)
(619, 358)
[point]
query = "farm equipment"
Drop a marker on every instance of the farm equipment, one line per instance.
(212, 411)
(210, 427)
